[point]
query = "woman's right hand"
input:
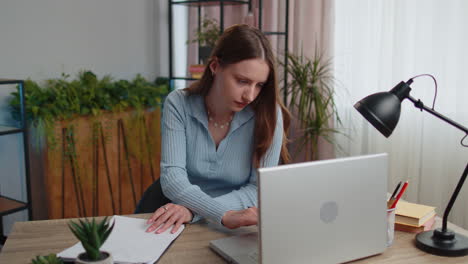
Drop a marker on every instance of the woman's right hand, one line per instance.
(168, 215)
(236, 219)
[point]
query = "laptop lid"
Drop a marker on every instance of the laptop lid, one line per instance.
(329, 211)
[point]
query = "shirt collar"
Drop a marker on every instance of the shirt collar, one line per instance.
(197, 110)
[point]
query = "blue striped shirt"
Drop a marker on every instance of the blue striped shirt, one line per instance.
(194, 173)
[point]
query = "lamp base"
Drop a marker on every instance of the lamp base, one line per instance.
(442, 243)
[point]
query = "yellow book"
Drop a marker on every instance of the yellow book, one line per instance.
(413, 214)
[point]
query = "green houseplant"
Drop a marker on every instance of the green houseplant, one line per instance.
(64, 99)
(49, 259)
(92, 235)
(310, 99)
(206, 37)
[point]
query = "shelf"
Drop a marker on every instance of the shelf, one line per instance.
(5, 130)
(9, 81)
(210, 2)
(274, 33)
(184, 78)
(8, 205)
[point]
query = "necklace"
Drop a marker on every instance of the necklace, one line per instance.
(221, 125)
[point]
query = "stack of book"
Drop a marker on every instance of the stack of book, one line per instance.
(414, 218)
(196, 70)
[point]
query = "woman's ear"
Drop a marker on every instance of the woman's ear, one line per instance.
(214, 65)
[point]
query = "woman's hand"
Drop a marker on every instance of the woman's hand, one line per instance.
(169, 214)
(235, 219)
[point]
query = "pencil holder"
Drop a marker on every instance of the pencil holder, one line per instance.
(390, 226)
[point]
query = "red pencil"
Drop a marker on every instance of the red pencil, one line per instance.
(399, 194)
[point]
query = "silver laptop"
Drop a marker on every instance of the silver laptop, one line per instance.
(329, 211)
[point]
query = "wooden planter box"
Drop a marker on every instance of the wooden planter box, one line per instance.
(97, 165)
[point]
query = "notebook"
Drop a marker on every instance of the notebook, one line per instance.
(129, 243)
(329, 211)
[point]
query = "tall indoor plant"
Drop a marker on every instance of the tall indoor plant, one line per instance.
(310, 99)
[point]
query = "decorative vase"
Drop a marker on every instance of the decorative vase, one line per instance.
(81, 259)
(204, 53)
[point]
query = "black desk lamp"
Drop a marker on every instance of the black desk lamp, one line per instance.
(382, 110)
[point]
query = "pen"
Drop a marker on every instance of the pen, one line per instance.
(405, 185)
(392, 198)
(395, 191)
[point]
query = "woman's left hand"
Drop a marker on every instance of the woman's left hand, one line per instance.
(236, 219)
(168, 215)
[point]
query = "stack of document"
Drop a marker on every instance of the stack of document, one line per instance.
(129, 242)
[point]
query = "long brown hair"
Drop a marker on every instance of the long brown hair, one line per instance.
(243, 42)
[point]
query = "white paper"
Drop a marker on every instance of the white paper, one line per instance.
(129, 242)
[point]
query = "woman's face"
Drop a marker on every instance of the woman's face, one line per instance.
(237, 85)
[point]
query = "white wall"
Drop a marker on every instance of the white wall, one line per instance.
(41, 39)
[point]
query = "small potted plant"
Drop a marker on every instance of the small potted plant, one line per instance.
(50, 259)
(206, 37)
(92, 236)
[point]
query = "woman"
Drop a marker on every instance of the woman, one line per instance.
(217, 132)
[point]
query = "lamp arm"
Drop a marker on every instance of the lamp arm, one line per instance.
(421, 106)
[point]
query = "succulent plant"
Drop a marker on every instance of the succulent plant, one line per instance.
(92, 235)
(50, 259)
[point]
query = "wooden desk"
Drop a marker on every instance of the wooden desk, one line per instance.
(29, 239)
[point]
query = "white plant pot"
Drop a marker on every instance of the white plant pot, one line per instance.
(107, 260)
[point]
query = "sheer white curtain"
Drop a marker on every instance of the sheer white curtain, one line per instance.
(379, 43)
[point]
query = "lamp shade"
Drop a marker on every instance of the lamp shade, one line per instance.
(382, 110)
